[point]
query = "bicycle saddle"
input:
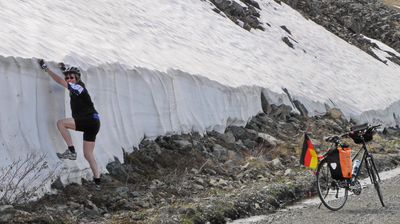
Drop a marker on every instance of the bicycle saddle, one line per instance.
(333, 138)
(360, 127)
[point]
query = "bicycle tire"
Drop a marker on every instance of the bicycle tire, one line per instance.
(376, 170)
(373, 175)
(331, 194)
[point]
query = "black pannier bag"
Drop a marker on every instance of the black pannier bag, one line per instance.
(340, 164)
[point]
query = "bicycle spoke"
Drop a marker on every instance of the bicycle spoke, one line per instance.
(331, 194)
(327, 192)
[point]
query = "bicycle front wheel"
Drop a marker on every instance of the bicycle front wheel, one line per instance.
(373, 175)
(333, 193)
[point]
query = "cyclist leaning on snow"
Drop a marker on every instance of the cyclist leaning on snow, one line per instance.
(84, 117)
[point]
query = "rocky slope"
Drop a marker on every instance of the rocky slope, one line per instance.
(351, 20)
(198, 179)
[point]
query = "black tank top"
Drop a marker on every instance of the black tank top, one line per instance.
(81, 103)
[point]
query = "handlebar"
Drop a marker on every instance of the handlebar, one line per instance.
(358, 129)
(375, 126)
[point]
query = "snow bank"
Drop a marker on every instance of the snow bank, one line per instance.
(132, 103)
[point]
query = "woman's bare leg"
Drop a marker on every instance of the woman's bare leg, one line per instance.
(88, 148)
(63, 125)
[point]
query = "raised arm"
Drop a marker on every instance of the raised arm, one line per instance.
(53, 75)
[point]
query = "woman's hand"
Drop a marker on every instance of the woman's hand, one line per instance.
(53, 75)
(61, 66)
(43, 65)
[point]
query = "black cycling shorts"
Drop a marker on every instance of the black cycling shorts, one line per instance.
(90, 126)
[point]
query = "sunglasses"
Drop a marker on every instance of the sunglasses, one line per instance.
(69, 77)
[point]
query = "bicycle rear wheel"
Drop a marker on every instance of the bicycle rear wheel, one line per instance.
(374, 176)
(333, 193)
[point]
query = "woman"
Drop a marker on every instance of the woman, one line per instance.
(84, 117)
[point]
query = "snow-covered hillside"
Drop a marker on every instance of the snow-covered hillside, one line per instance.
(169, 66)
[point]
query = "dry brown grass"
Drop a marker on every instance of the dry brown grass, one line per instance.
(392, 2)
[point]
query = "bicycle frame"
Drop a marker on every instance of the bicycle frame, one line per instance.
(324, 185)
(365, 155)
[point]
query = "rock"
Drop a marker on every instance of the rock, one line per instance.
(210, 171)
(143, 204)
(73, 205)
(135, 194)
(277, 163)
(286, 29)
(57, 184)
(61, 207)
(213, 182)
(117, 170)
(289, 172)
(184, 144)
(120, 204)
(250, 144)
(199, 180)
(335, 114)
(252, 3)
(281, 112)
(230, 166)
(194, 171)
(222, 182)
(228, 137)
(287, 42)
(91, 205)
(243, 133)
(157, 149)
(49, 208)
(301, 108)
(4, 208)
(240, 143)
(391, 131)
(261, 177)
(122, 191)
(106, 179)
(266, 107)
(156, 184)
(218, 182)
(236, 12)
(198, 187)
(269, 139)
(220, 152)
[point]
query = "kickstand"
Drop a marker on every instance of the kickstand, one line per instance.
(319, 207)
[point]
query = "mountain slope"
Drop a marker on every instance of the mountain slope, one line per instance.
(162, 67)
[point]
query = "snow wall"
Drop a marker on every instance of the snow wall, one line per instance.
(132, 103)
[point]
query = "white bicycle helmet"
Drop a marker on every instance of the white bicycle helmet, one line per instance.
(73, 70)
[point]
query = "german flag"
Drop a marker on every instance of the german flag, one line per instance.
(309, 157)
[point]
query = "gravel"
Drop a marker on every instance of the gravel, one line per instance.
(364, 208)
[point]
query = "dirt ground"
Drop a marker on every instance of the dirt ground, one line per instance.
(392, 2)
(364, 208)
